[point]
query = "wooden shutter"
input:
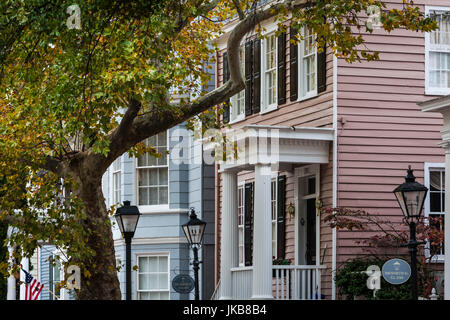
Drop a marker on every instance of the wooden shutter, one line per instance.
(226, 77)
(322, 70)
(281, 58)
(256, 76)
(248, 224)
(293, 65)
(248, 77)
(281, 217)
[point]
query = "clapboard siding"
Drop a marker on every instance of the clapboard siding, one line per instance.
(381, 128)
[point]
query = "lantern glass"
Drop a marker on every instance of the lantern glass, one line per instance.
(127, 218)
(128, 222)
(411, 197)
(194, 230)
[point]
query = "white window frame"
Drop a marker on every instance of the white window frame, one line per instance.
(427, 167)
(151, 254)
(301, 71)
(156, 207)
(234, 117)
(116, 173)
(265, 107)
(429, 90)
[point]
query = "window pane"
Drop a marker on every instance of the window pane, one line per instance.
(163, 195)
(143, 196)
(143, 264)
(163, 281)
(144, 296)
(152, 196)
(143, 282)
(153, 281)
(153, 264)
(143, 178)
(163, 176)
(142, 160)
(435, 201)
(164, 295)
(163, 264)
(435, 180)
(163, 160)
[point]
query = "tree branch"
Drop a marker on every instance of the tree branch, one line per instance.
(158, 119)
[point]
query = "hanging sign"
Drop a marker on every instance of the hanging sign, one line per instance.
(396, 271)
(183, 283)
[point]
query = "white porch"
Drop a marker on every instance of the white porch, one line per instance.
(267, 150)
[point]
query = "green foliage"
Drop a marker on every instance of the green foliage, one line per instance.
(351, 282)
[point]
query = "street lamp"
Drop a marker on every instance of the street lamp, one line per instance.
(411, 196)
(194, 230)
(127, 218)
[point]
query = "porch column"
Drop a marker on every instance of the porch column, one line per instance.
(11, 294)
(262, 234)
(446, 146)
(229, 254)
(26, 266)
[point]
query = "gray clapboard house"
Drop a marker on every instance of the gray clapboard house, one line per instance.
(164, 189)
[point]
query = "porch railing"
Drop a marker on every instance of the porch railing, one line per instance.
(297, 282)
(288, 282)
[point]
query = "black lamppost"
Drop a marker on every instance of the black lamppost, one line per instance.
(127, 218)
(194, 230)
(411, 196)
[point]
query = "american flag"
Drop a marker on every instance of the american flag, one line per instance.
(33, 287)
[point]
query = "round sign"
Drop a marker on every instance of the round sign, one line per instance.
(396, 271)
(183, 283)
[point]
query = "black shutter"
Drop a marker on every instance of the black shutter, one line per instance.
(256, 76)
(322, 70)
(281, 217)
(248, 224)
(293, 66)
(248, 77)
(226, 77)
(281, 58)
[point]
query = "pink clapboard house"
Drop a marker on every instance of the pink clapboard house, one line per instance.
(345, 135)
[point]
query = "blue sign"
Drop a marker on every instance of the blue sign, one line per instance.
(183, 283)
(396, 271)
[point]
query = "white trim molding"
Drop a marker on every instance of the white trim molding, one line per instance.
(156, 240)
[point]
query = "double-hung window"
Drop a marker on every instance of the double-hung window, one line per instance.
(152, 173)
(153, 277)
(438, 53)
(238, 100)
(307, 65)
(435, 205)
(116, 185)
(269, 73)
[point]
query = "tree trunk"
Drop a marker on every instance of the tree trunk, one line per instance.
(100, 282)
